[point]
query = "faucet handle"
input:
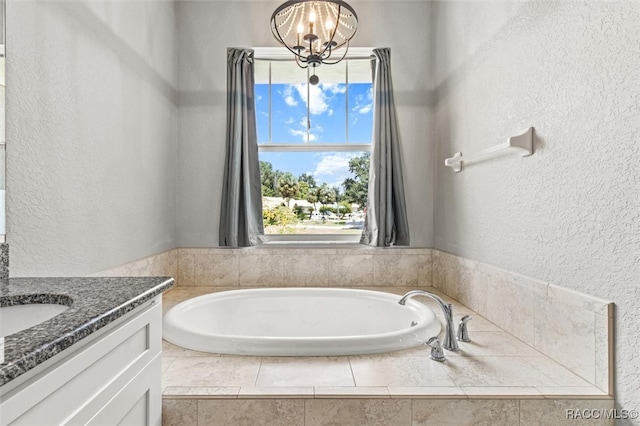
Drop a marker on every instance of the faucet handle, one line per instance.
(437, 354)
(463, 332)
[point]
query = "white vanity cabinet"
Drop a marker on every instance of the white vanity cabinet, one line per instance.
(111, 377)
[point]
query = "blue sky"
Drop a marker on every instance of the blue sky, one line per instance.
(328, 115)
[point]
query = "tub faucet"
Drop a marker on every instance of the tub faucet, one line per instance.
(463, 331)
(437, 354)
(450, 342)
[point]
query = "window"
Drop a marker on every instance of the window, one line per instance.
(314, 144)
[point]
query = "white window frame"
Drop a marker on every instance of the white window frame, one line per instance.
(280, 54)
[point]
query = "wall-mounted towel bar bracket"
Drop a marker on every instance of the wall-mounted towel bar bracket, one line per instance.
(523, 143)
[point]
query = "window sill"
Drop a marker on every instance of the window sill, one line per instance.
(311, 240)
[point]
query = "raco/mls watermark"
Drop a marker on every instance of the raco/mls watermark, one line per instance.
(600, 413)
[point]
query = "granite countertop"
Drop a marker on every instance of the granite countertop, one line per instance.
(93, 303)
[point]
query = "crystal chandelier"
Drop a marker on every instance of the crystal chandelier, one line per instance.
(314, 30)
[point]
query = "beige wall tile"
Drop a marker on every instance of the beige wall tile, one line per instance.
(603, 356)
(248, 412)
(215, 270)
(445, 272)
(554, 412)
(161, 264)
(395, 269)
(351, 270)
(179, 412)
(472, 412)
(577, 299)
(261, 270)
(259, 266)
(476, 294)
(357, 412)
(567, 334)
(425, 269)
(509, 305)
(185, 268)
(308, 270)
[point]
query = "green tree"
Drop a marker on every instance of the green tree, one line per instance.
(339, 195)
(287, 186)
(356, 188)
(308, 177)
(345, 208)
(301, 211)
(303, 190)
(326, 195)
(268, 178)
(313, 197)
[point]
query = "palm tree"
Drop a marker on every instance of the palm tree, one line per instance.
(288, 187)
(312, 197)
(326, 195)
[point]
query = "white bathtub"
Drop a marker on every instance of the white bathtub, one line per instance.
(299, 322)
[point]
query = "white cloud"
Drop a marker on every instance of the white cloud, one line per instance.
(333, 168)
(316, 99)
(365, 109)
(303, 135)
(287, 94)
(334, 88)
(319, 97)
(364, 103)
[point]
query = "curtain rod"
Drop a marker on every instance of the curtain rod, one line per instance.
(293, 59)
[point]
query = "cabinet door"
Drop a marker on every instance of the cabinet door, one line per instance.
(123, 364)
(138, 403)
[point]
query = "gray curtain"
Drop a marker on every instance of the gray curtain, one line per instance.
(241, 207)
(386, 218)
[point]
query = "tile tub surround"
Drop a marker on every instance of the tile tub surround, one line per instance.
(572, 328)
(495, 378)
(163, 264)
(95, 302)
(268, 266)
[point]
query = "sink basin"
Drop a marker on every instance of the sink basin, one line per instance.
(20, 317)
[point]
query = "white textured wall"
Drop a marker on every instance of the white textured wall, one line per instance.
(207, 28)
(91, 134)
(569, 214)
